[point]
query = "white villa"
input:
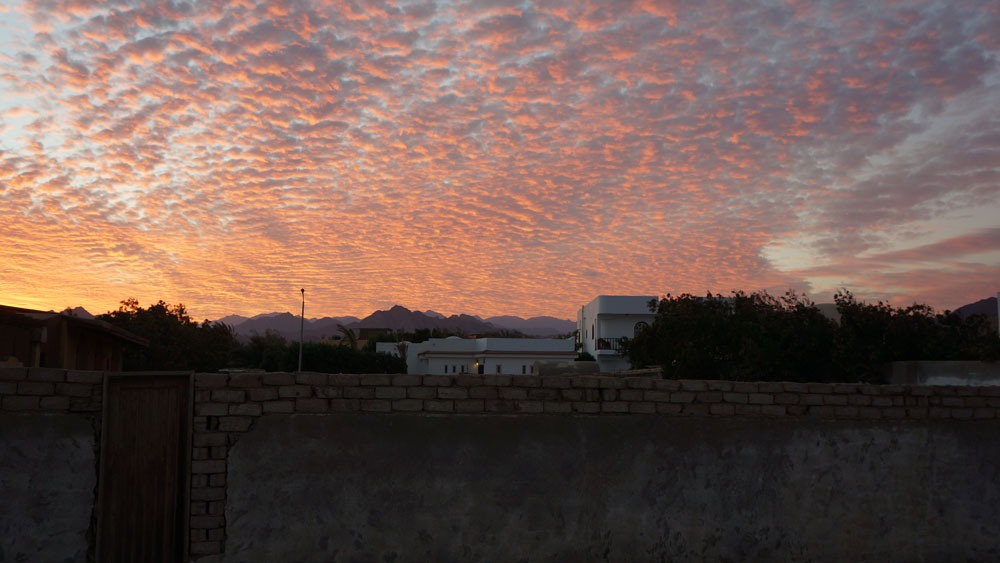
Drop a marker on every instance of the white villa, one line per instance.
(603, 321)
(504, 356)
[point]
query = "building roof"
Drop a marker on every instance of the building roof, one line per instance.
(31, 318)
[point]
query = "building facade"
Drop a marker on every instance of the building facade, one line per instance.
(604, 321)
(493, 356)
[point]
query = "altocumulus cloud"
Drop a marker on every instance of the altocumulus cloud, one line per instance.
(468, 156)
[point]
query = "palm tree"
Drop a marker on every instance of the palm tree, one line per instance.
(348, 335)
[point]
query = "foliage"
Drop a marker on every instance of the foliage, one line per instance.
(585, 357)
(761, 337)
(175, 341)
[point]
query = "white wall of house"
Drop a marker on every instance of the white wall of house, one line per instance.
(506, 356)
(606, 319)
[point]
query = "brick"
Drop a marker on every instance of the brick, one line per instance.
(984, 391)
(470, 405)
(46, 374)
(541, 394)
(667, 385)
(312, 405)
(887, 389)
(210, 380)
(390, 393)
(407, 380)
(770, 387)
(199, 508)
(408, 405)
(611, 383)
(359, 392)
(984, 413)
(723, 409)
(208, 466)
(208, 493)
(311, 378)
(217, 479)
(693, 385)
(938, 412)
(343, 380)
(469, 380)
(452, 393)
(421, 392)
(952, 402)
(894, 413)
(760, 399)
(915, 412)
(859, 400)
(773, 410)
(974, 402)
(790, 387)
(656, 396)
(868, 389)
(786, 398)
(207, 522)
(741, 398)
(745, 386)
(846, 412)
(719, 385)
(709, 396)
(496, 380)
(376, 405)
(374, 379)
(870, 412)
(556, 382)
(54, 403)
(609, 394)
(271, 379)
(74, 389)
(217, 507)
(639, 383)
(642, 408)
(235, 423)
(796, 410)
(630, 394)
(836, 400)
(746, 410)
(217, 452)
(437, 381)
(262, 394)
(682, 397)
(229, 396)
(668, 408)
(89, 377)
(439, 406)
(821, 388)
(216, 534)
(586, 407)
(294, 391)
(345, 405)
(35, 388)
(278, 406)
(251, 379)
(8, 388)
(586, 381)
(483, 392)
(881, 401)
(557, 407)
(962, 414)
(209, 438)
(921, 391)
(512, 393)
(13, 374)
(211, 409)
(821, 411)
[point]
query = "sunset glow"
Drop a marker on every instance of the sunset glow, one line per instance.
(495, 158)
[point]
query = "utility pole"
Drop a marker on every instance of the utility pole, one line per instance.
(302, 326)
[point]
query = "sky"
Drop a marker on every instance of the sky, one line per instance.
(493, 157)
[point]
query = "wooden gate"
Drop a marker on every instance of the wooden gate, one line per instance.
(145, 464)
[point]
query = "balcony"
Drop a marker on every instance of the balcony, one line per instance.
(609, 346)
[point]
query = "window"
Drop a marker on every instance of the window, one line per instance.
(498, 368)
(639, 327)
(524, 369)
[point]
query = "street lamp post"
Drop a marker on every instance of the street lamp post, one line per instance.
(302, 326)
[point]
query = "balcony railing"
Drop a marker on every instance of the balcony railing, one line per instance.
(609, 344)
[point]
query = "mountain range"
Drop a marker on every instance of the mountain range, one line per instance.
(397, 318)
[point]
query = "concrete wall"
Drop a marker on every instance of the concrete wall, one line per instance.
(48, 475)
(976, 374)
(619, 488)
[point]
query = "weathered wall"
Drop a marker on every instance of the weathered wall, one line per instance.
(47, 480)
(619, 488)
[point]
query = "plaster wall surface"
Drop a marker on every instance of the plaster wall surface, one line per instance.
(47, 481)
(343, 487)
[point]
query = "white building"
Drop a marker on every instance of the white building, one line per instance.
(606, 319)
(454, 355)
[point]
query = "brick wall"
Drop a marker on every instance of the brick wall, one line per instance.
(227, 405)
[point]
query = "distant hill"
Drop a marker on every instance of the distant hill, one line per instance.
(535, 326)
(987, 307)
(401, 318)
